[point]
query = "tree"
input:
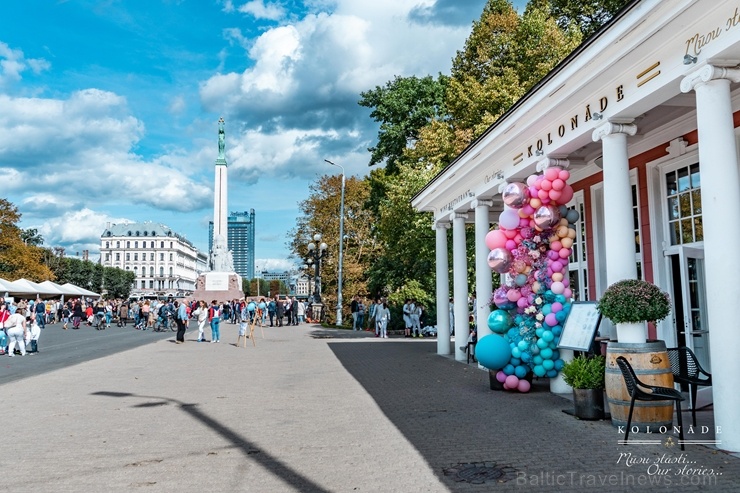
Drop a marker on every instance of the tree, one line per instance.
(587, 15)
(17, 259)
(320, 214)
(32, 237)
(403, 107)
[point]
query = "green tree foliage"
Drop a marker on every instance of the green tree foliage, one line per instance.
(18, 259)
(95, 277)
(587, 15)
(403, 107)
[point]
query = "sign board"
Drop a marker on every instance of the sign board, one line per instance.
(217, 281)
(580, 326)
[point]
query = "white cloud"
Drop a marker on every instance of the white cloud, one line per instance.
(13, 62)
(261, 10)
(76, 230)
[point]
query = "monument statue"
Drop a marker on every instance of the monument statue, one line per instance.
(221, 139)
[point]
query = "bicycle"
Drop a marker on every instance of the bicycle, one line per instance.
(164, 323)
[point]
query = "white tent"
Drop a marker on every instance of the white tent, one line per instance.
(29, 289)
(78, 291)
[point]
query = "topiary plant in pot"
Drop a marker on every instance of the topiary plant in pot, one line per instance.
(586, 376)
(630, 304)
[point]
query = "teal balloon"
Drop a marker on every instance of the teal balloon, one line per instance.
(521, 371)
(539, 370)
(546, 354)
(499, 321)
(548, 364)
(493, 351)
(520, 280)
(547, 309)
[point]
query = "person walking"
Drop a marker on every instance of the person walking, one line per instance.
(214, 316)
(271, 308)
(15, 327)
(279, 311)
(77, 314)
(383, 315)
(123, 314)
(201, 311)
(360, 322)
(353, 311)
(40, 308)
(32, 338)
(407, 317)
(181, 319)
(301, 311)
(416, 318)
(4, 315)
(378, 306)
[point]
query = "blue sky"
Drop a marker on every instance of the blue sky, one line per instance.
(109, 108)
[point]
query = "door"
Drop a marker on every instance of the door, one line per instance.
(690, 297)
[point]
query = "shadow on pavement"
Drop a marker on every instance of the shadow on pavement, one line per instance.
(272, 464)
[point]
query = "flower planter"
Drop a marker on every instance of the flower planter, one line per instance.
(589, 403)
(632, 332)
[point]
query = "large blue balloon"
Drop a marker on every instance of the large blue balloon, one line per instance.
(499, 321)
(493, 351)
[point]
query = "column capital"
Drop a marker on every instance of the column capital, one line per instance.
(460, 215)
(707, 73)
(481, 202)
(441, 225)
(611, 128)
(550, 162)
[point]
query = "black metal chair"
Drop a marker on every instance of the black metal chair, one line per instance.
(686, 369)
(635, 388)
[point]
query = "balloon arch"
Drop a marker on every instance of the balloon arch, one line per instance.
(530, 249)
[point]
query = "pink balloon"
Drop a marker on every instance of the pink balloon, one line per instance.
(512, 381)
(556, 245)
(531, 179)
(558, 287)
(499, 260)
(567, 293)
(564, 253)
(501, 376)
(510, 245)
(557, 266)
(499, 297)
(510, 233)
(552, 255)
(552, 173)
(518, 239)
(523, 222)
(509, 219)
(495, 239)
(522, 302)
(542, 194)
(528, 210)
(557, 306)
(558, 184)
(546, 185)
(515, 195)
(513, 295)
(551, 320)
(564, 174)
(523, 386)
(555, 195)
(547, 216)
(567, 194)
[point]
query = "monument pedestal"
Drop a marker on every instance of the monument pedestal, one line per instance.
(219, 286)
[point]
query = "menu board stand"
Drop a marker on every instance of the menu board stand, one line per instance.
(580, 327)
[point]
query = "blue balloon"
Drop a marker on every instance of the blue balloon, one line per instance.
(512, 333)
(515, 361)
(520, 280)
(546, 353)
(552, 373)
(547, 309)
(521, 371)
(499, 321)
(537, 360)
(539, 371)
(493, 351)
(526, 357)
(557, 330)
(559, 364)
(560, 299)
(560, 316)
(508, 369)
(548, 364)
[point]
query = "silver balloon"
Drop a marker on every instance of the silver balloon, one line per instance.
(515, 195)
(546, 216)
(499, 260)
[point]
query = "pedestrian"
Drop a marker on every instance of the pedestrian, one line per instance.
(32, 337)
(452, 316)
(201, 311)
(378, 306)
(262, 311)
(251, 309)
(301, 310)
(15, 327)
(360, 322)
(288, 310)
(271, 308)
(4, 315)
(383, 315)
(77, 314)
(416, 318)
(40, 308)
(353, 311)
(407, 317)
(279, 311)
(214, 316)
(123, 314)
(181, 319)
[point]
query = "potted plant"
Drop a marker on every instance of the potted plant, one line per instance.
(586, 376)
(630, 304)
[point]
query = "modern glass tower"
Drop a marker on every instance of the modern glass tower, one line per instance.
(240, 240)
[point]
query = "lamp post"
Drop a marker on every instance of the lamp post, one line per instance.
(341, 242)
(315, 254)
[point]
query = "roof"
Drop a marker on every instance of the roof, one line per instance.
(145, 229)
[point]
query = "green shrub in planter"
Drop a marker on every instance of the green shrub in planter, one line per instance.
(585, 373)
(632, 301)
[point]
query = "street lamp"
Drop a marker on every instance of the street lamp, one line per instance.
(341, 242)
(315, 254)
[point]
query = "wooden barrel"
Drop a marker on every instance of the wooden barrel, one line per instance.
(650, 362)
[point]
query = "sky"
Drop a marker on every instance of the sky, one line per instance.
(109, 108)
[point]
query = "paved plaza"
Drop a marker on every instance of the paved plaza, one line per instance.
(318, 410)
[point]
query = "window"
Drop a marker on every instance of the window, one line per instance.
(683, 193)
(136, 244)
(152, 244)
(118, 257)
(170, 244)
(161, 257)
(578, 263)
(128, 257)
(118, 244)
(151, 284)
(151, 271)
(151, 256)
(161, 244)
(170, 257)
(136, 256)
(161, 272)
(107, 257)
(107, 244)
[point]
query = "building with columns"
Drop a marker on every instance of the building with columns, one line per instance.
(646, 116)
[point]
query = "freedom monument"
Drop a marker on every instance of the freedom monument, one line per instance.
(221, 283)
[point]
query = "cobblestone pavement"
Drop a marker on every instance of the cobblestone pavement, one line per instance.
(310, 409)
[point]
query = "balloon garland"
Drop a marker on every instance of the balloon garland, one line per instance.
(532, 245)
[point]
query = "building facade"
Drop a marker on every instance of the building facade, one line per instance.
(645, 116)
(240, 240)
(164, 262)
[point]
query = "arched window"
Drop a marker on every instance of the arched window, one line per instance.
(152, 245)
(171, 257)
(107, 244)
(161, 272)
(136, 244)
(151, 271)
(170, 271)
(118, 244)
(161, 244)
(128, 244)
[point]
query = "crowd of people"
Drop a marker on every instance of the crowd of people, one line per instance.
(21, 321)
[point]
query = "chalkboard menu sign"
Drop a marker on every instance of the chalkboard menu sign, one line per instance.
(580, 326)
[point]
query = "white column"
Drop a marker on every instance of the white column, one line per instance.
(720, 201)
(618, 219)
(483, 282)
(443, 290)
(460, 284)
